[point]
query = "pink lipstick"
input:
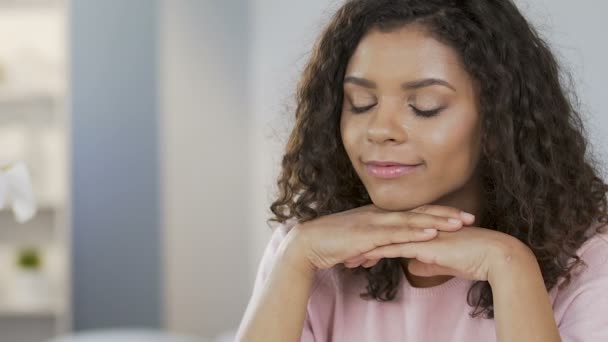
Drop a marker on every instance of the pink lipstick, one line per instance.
(389, 169)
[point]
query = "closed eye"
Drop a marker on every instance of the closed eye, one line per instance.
(418, 112)
(426, 113)
(359, 110)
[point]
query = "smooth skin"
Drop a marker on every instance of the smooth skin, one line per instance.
(388, 102)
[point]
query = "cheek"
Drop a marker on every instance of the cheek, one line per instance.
(452, 144)
(350, 133)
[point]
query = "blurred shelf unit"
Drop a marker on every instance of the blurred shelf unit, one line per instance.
(33, 129)
(35, 263)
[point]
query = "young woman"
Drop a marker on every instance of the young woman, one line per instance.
(436, 187)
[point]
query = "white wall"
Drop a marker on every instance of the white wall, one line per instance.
(204, 121)
(282, 36)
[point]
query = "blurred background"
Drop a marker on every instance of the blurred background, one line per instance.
(153, 131)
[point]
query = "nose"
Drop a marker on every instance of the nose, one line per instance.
(385, 125)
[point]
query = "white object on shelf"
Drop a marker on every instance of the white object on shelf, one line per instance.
(16, 191)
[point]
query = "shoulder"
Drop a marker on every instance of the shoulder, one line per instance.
(279, 233)
(594, 253)
(580, 307)
(588, 277)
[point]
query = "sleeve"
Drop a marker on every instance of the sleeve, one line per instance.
(266, 264)
(582, 307)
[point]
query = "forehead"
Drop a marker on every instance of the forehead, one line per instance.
(406, 53)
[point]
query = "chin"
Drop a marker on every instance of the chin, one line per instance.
(394, 204)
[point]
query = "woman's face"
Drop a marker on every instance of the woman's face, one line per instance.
(418, 106)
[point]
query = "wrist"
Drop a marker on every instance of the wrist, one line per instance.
(293, 252)
(512, 258)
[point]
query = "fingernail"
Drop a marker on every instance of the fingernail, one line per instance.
(430, 230)
(454, 221)
(467, 216)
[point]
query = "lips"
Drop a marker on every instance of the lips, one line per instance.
(388, 163)
(389, 169)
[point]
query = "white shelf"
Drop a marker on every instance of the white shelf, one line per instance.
(33, 109)
(20, 97)
(7, 310)
(30, 3)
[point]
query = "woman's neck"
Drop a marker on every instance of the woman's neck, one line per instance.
(418, 281)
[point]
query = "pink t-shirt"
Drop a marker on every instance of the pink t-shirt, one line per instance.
(336, 313)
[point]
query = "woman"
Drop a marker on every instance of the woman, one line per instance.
(435, 187)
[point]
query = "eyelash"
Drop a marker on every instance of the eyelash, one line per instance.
(421, 113)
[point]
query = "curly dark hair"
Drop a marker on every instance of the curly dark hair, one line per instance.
(541, 183)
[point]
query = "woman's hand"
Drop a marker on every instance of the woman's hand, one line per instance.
(470, 253)
(333, 239)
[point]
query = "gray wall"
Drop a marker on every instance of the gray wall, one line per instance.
(116, 256)
(577, 33)
(283, 33)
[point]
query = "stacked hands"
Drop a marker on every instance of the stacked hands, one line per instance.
(438, 240)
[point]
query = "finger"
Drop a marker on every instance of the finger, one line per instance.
(446, 211)
(358, 259)
(393, 234)
(391, 251)
(353, 264)
(370, 263)
(417, 220)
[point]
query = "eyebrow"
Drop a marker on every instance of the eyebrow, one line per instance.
(405, 86)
